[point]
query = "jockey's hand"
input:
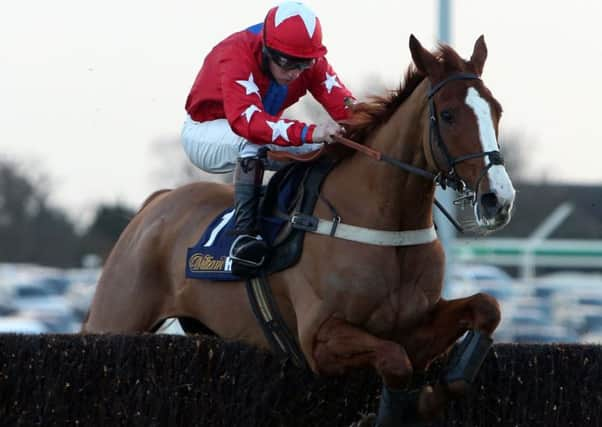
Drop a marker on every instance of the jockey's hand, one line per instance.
(326, 131)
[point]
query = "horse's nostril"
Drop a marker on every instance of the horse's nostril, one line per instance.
(489, 204)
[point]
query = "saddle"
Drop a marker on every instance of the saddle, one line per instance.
(291, 193)
(286, 203)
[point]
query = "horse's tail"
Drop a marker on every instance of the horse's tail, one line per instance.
(152, 197)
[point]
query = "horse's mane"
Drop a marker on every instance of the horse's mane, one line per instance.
(367, 116)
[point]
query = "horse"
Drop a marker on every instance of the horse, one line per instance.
(348, 304)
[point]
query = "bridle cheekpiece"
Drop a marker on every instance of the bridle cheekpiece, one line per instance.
(448, 177)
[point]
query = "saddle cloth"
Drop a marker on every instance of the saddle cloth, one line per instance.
(295, 187)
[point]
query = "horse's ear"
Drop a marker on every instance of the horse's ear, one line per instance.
(424, 60)
(479, 55)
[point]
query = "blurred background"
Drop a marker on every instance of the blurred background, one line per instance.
(92, 99)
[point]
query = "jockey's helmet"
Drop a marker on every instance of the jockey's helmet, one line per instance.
(293, 29)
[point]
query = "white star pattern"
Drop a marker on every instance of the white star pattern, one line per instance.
(290, 9)
(248, 113)
(279, 128)
(330, 82)
(249, 85)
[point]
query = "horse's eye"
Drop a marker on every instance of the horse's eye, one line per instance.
(447, 116)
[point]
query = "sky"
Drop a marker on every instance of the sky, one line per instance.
(87, 88)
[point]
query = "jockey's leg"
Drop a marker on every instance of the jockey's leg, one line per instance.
(211, 146)
(215, 148)
(249, 250)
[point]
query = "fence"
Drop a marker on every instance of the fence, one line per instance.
(163, 380)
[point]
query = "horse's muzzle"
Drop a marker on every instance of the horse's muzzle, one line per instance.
(492, 213)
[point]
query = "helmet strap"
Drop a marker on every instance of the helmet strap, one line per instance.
(265, 63)
(265, 58)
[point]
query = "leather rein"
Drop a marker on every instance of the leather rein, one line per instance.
(450, 177)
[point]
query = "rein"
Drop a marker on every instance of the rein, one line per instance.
(444, 179)
(377, 155)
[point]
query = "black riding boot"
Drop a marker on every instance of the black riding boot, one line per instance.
(249, 251)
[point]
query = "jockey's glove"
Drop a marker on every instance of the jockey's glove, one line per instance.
(326, 131)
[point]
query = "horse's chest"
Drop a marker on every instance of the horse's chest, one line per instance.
(382, 289)
(403, 306)
(377, 299)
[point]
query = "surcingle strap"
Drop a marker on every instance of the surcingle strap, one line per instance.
(275, 330)
(371, 236)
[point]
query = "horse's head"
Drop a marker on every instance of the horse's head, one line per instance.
(463, 127)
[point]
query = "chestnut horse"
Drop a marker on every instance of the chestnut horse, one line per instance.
(349, 304)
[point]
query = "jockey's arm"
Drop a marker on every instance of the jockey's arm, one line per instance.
(329, 91)
(245, 110)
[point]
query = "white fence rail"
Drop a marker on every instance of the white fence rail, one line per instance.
(524, 254)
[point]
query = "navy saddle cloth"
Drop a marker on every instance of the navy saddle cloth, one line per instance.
(209, 258)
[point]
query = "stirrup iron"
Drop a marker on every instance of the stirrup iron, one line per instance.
(243, 261)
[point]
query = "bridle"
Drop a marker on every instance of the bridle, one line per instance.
(451, 178)
(448, 176)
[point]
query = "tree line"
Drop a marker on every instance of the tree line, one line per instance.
(33, 231)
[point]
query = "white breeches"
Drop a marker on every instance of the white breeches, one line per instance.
(213, 147)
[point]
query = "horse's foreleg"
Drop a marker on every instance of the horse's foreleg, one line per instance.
(340, 346)
(447, 322)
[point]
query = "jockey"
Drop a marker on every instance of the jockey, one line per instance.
(236, 102)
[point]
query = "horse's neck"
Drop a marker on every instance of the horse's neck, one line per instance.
(378, 195)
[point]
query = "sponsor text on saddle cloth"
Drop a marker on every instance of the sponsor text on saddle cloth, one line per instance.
(209, 258)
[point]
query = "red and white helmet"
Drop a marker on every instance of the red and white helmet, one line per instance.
(293, 29)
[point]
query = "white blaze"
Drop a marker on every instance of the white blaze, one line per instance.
(499, 181)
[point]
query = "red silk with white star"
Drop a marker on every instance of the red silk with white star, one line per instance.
(231, 85)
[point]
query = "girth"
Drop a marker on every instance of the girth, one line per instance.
(265, 309)
(286, 252)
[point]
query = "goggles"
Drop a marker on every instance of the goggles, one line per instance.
(289, 63)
